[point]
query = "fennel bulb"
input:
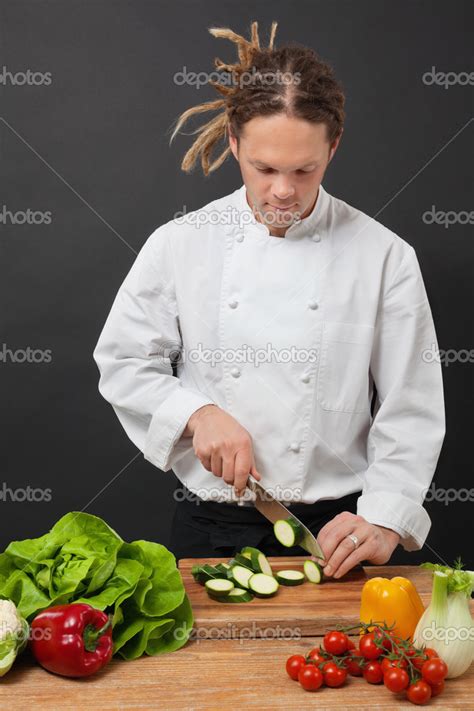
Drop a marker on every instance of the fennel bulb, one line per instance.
(446, 625)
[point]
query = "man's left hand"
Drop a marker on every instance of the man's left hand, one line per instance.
(375, 543)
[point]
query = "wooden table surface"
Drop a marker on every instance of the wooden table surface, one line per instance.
(224, 674)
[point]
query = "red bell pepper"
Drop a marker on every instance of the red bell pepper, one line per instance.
(72, 640)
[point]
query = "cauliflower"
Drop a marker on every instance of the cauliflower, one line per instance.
(10, 621)
(13, 635)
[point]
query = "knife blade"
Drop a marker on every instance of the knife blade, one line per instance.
(273, 510)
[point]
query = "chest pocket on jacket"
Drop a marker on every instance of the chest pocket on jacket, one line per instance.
(343, 381)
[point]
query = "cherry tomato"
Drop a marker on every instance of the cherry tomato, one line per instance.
(434, 670)
(294, 664)
(368, 648)
(350, 644)
(354, 664)
(437, 688)
(428, 652)
(387, 664)
(396, 680)
(335, 642)
(373, 672)
(334, 676)
(419, 693)
(382, 639)
(316, 655)
(310, 677)
(418, 661)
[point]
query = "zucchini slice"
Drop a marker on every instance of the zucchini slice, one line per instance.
(313, 571)
(219, 586)
(290, 577)
(237, 595)
(203, 573)
(222, 568)
(240, 575)
(240, 559)
(248, 550)
(288, 532)
(260, 563)
(263, 585)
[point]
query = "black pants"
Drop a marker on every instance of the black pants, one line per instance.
(209, 529)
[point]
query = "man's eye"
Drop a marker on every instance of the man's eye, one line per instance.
(270, 170)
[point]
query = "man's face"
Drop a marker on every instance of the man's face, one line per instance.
(283, 161)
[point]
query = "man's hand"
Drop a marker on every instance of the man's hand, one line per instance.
(223, 446)
(376, 543)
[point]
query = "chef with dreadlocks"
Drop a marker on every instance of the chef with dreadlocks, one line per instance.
(296, 325)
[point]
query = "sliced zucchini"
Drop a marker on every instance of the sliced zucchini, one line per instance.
(219, 586)
(240, 575)
(290, 577)
(313, 571)
(203, 573)
(288, 532)
(260, 563)
(263, 585)
(195, 571)
(222, 568)
(237, 595)
(241, 559)
(248, 550)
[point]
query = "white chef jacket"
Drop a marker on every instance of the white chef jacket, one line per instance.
(338, 305)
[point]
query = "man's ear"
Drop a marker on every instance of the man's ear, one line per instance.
(335, 145)
(233, 144)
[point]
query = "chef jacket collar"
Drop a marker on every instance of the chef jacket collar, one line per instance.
(310, 226)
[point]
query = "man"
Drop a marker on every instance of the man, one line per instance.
(336, 304)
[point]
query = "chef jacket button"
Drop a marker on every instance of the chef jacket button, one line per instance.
(295, 447)
(313, 305)
(316, 237)
(235, 372)
(233, 304)
(240, 238)
(305, 378)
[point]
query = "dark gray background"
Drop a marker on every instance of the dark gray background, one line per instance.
(92, 148)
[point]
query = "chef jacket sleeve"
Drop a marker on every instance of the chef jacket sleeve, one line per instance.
(134, 353)
(408, 427)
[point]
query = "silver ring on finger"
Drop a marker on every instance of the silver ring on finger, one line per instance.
(354, 540)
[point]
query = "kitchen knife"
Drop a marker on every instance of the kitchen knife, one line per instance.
(273, 510)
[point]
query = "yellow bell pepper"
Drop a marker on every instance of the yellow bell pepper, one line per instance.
(395, 601)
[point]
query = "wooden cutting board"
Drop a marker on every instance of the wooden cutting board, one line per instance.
(303, 610)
